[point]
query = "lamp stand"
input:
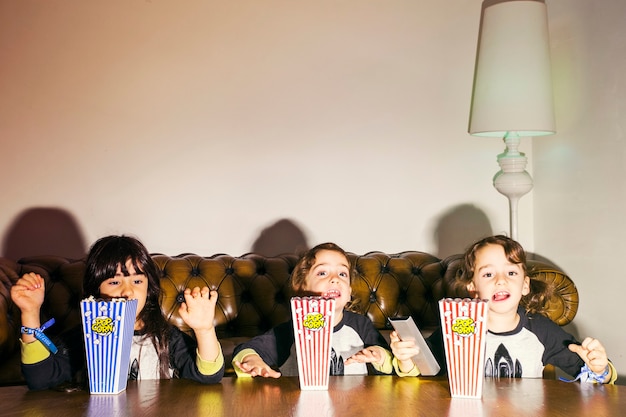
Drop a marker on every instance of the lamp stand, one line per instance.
(512, 180)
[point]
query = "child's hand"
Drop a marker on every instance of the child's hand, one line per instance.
(594, 355)
(255, 366)
(403, 350)
(198, 310)
(367, 355)
(28, 293)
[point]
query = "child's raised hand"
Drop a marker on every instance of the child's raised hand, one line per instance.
(368, 355)
(198, 310)
(28, 293)
(593, 353)
(255, 366)
(403, 350)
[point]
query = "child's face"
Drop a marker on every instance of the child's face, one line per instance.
(134, 286)
(496, 279)
(330, 277)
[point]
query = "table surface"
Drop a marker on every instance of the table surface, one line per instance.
(379, 396)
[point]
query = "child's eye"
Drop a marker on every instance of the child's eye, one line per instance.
(487, 275)
(112, 282)
(321, 273)
(139, 279)
(512, 273)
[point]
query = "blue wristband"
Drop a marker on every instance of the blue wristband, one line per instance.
(39, 335)
(587, 375)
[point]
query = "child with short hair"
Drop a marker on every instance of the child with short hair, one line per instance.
(121, 267)
(357, 346)
(521, 340)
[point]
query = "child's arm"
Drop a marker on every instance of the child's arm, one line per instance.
(593, 353)
(28, 294)
(198, 312)
(264, 354)
(248, 363)
(41, 369)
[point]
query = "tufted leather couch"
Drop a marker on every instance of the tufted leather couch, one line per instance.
(253, 293)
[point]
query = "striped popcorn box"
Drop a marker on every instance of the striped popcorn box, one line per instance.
(313, 331)
(108, 334)
(464, 326)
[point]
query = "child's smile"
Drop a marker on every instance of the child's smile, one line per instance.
(332, 293)
(500, 296)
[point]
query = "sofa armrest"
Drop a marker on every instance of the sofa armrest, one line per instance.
(562, 304)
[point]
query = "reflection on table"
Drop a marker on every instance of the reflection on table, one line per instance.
(379, 396)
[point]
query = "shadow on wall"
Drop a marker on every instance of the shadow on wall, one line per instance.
(458, 228)
(463, 225)
(284, 236)
(44, 231)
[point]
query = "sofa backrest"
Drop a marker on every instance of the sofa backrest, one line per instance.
(254, 296)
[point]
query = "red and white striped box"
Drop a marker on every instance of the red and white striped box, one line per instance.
(313, 331)
(464, 326)
(108, 328)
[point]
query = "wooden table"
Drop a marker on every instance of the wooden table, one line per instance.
(380, 396)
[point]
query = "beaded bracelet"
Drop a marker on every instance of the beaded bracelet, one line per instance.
(39, 335)
(587, 375)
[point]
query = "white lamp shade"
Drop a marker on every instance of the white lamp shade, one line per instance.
(512, 80)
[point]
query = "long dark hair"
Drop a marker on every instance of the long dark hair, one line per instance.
(540, 292)
(102, 261)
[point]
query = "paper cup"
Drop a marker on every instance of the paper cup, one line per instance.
(313, 331)
(464, 326)
(108, 334)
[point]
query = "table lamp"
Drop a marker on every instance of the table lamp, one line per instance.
(512, 94)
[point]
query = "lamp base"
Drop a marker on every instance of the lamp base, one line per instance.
(513, 183)
(512, 180)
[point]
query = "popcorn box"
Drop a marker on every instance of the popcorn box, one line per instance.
(108, 334)
(313, 331)
(464, 326)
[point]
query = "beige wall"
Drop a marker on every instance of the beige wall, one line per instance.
(199, 125)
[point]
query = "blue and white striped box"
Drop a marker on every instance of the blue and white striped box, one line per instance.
(108, 334)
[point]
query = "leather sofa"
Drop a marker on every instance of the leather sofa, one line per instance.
(253, 293)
